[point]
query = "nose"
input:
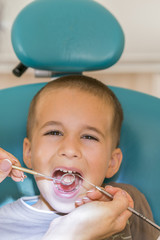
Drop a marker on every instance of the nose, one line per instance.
(70, 148)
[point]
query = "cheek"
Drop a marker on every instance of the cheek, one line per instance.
(40, 154)
(99, 167)
(99, 161)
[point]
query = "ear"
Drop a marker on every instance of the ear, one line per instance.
(114, 163)
(27, 153)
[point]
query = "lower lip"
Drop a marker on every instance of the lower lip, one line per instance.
(67, 195)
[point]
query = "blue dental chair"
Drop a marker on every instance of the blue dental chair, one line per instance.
(68, 36)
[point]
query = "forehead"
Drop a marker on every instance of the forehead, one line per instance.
(69, 103)
(64, 96)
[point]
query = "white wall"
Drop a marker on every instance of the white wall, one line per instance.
(8, 11)
(140, 20)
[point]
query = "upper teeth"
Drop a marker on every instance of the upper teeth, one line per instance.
(67, 171)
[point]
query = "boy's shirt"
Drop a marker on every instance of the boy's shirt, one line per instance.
(136, 228)
(19, 220)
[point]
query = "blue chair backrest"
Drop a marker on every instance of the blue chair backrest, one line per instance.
(139, 141)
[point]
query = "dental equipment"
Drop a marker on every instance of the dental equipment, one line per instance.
(66, 183)
(61, 180)
(129, 208)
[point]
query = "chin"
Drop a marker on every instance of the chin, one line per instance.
(56, 201)
(63, 207)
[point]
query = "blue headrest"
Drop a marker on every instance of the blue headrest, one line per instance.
(67, 36)
(139, 141)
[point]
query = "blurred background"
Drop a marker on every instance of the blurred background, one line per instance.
(139, 66)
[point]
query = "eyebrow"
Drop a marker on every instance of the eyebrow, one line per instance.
(51, 123)
(95, 130)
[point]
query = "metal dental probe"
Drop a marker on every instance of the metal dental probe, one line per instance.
(61, 180)
(129, 208)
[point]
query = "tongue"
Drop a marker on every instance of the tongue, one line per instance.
(68, 182)
(66, 188)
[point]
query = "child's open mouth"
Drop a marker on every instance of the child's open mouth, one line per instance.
(68, 182)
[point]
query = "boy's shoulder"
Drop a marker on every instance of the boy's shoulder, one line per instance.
(139, 228)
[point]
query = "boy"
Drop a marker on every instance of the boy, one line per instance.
(74, 126)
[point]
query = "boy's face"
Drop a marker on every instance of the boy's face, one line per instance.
(72, 132)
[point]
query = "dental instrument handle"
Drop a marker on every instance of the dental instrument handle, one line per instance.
(31, 172)
(144, 218)
(104, 192)
(131, 209)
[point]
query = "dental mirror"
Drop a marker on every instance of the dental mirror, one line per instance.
(67, 179)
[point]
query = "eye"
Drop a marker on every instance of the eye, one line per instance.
(89, 137)
(54, 133)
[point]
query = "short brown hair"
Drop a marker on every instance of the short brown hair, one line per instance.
(83, 83)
